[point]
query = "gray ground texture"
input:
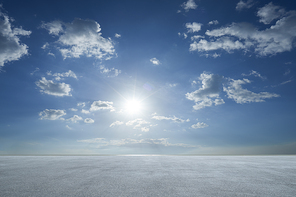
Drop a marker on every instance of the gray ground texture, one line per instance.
(148, 176)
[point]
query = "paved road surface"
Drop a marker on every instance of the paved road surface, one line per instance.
(148, 176)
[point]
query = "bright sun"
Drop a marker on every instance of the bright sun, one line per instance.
(133, 106)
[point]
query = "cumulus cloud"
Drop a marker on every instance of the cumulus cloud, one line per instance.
(199, 125)
(10, 47)
(85, 111)
(75, 118)
(174, 119)
(270, 12)
(61, 76)
(128, 141)
(102, 105)
(117, 35)
(137, 123)
(81, 37)
(52, 114)
(51, 88)
(73, 109)
(214, 22)
(82, 104)
(244, 5)
(112, 72)
(190, 4)
(155, 61)
(208, 94)
(193, 27)
(89, 120)
(275, 39)
(235, 91)
(54, 27)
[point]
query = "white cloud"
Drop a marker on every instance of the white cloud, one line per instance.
(45, 45)
(137, 123)
(36, 70)
(75, 118)
(214, 22)
(270, 12)
(174, 118)
(85, 111)
(226, 43)
(196, 37)
(240, 95)
(125, 142)
(155, 61)
(193, 27)
(81, 37)
(10, 47)
(110, 72)
(73, 109)
(244, 36)
(82, 104)
(51, 88)
(117, 35)
(199, 125)
(89, 120)
(244, 5)
(116, 123)
(67, 126)
(54, 27)
(190, 4)
(254, 73)
(204, 96)
(52, 114)
(60, 76)
(102, 105)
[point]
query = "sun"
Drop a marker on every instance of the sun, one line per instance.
(133, 106)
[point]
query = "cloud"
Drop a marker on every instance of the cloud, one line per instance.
(137, 123)
(110, 72)
(193, 27)
(52, 114)
(128, 141)
(174, 119)
(155, 61)
(116, 123)
(239, 95)
(214, 22)
(81, 38)
(117, 35)
(67, 126)
(102, 105)
(75, 118)
(204, 96)
(89, 120)
(51, 88)
(60, 76)
(199, 125)
(54, 27)
(10, 47)
(184, 35)
(270, 12)
(244, 5)
(254, 73)
(82, 104)
(275, 39)
(190, 4)
(73, 109)
(85, 111)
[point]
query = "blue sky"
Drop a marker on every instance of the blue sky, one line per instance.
(147, 77)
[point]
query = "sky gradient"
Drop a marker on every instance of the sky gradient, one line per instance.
(147, 77)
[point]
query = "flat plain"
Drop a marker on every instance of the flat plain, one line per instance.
(148, 176)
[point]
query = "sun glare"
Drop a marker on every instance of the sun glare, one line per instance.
(133, 106)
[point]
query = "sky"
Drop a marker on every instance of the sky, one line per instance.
(147, 77)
